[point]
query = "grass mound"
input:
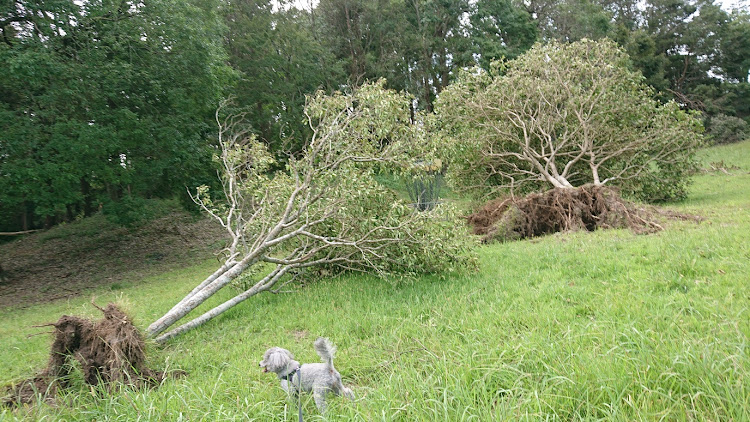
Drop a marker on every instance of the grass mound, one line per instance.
(110, 351)
(585, 208)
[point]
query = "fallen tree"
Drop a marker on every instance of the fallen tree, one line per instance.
(323, 210)
(587, 208)
(564, 116)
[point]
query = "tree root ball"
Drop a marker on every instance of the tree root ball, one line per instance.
(110, 351)
(563, 209)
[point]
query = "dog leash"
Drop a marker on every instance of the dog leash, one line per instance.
(299, 396)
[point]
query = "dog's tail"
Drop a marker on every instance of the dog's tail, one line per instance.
(325, 350)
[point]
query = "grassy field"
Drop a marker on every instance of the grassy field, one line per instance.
(584, 326)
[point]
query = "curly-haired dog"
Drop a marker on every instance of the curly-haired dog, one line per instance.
(320, 378)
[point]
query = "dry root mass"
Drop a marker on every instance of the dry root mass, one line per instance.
(586, 208)
(110, 351)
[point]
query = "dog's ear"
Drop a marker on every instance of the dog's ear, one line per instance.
(278, 360)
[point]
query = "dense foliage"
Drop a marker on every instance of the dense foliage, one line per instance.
(104, 104)
(280, 60)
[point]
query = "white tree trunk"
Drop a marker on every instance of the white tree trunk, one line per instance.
(558, 181)
(197, 297)
(259, 287)
(205, 283)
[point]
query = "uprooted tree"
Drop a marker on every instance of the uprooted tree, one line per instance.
(109, 352)
(566, 115)
(323, 209)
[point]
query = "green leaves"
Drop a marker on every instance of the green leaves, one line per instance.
(501, 30)
(280, 59)
(565, 115)
(325, 208)
(108, 101)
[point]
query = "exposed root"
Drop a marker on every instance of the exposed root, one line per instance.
(110, 351)
(586, 208)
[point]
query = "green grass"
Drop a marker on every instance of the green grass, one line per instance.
(584, 326)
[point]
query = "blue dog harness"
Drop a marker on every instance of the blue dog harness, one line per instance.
(290, 375)
(299, 395)
(289, 378)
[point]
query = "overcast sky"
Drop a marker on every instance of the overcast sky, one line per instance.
(733, 4)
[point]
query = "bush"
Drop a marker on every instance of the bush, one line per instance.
(131, 211)
(725, 129)
(424, 184)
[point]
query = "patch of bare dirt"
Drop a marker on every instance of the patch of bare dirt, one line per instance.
(110, 351)
(70, 260)
(586, 208)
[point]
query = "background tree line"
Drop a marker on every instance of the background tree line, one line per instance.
(107, 104)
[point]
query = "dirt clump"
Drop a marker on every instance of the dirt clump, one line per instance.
(111, 351)
(563, 209)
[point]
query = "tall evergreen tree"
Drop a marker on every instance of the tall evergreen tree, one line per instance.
(500, 29)
(280, 60)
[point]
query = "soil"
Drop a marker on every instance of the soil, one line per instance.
(585, 208)
(72, 259)
(110, 351)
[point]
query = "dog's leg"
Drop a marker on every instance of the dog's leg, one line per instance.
(339, 389)
(319, 393)
(343, 391)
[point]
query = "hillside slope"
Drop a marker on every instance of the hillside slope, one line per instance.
(586, 326)
(70, 259)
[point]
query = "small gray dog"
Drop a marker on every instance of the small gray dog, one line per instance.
(320, 378)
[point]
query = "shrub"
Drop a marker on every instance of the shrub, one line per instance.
(725, 129)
